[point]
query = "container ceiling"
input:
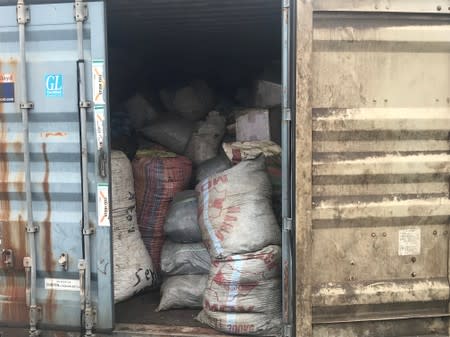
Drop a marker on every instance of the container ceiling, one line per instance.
(245, 26)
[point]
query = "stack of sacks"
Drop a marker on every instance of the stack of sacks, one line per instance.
(133, 267)
(185, 262)
(240, 231)
(159, 175)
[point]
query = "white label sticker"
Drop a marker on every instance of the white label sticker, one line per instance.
(62, 284)
(409, 241)
(99, 128)
(98, 82)
(103, 205)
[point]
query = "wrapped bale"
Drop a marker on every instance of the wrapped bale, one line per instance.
(159, 175)
(181, 223)
(185, 259)
(133, 267)
(172, 132)
(192, 102)
(205, 141)
(140, 110)
(235, 210)
(183, 291)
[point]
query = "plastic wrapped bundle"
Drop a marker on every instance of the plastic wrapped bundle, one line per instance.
(185, 259)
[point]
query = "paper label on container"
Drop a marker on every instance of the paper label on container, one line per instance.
(7, 94)
(99, 126)
(62, 284)
(103, 205)
(409, 241)
(98, 82)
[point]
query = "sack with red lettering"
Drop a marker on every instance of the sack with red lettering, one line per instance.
(159, 175)
(246, 283)
(133, 267)
(242, 323)
(235, 210)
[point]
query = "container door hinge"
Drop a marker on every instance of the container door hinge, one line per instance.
(82, 272)
(80, 11)
(27, 105)
(102, 163)
(8, 258)
(287, 114)
(287, 224)
(286, 3)
(90, 318)
(32, 229)
(85, 104)
(35, 317)
(23, 13)
(287, 330)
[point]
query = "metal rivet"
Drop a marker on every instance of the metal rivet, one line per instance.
(352, 263)
(384, 234)
(351, 278)
(438, 8)
(385, 100)
(374, 235)
(413, 259)
(413, 274)
(434, 232)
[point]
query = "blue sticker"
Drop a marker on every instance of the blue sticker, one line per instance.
(54, 85)
(6, 88)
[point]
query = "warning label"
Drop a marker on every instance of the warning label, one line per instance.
(99, 129)
(98, 82)
(409, 241)
(103, 205)
(7, 88)
(62, 284)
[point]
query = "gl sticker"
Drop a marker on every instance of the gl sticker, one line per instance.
(54, 85)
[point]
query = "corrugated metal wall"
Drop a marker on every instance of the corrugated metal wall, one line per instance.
(380, 193)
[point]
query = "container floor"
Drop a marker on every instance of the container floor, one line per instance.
(141, 310)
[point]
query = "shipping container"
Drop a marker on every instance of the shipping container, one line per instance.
(365, 125)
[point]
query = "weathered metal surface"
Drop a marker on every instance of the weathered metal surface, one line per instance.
(303, 167)
(380, 172)
(399, 6)
(55, 169)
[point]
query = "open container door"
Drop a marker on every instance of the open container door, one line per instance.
(56, 268)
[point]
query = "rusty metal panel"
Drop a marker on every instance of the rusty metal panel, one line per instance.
(380, 171)
(51, 49)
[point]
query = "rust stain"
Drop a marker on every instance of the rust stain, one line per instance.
(53, 134)
(46, 229)
(12, 237)
(19, 184)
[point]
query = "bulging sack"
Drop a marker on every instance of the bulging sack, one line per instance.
(172, 132)
(159, 176)
(253, 297)
(205, 140)
(246, 282)
(185, 259)
(235, 210)
(133, 267)
(212, 166)
(183, 291)
(181, 223)
(242, 323)
(264, 264)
